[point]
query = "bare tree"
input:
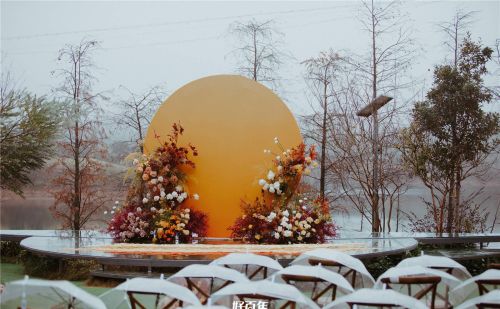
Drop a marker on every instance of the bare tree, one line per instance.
(391, 50)
(259, 52)
(455, 31)
(78, 188)
(136, 111)
(320, 76)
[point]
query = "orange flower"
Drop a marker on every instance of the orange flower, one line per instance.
(159, 232)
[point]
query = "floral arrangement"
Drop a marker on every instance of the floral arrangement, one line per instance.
(154, 209)
(280, 216)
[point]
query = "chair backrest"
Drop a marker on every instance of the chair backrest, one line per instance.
(135, 303)
(245, 297)
(484, 284)
(315, 293)
(252, 274)
(430, 282)
(331, 263)
(204, 294)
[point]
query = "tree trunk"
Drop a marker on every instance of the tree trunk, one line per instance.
(323, 144)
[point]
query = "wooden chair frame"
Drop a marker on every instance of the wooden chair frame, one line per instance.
(252, 275)
(314, 295)
(332, 263)
(135, 303)
(482, 283)
(289, 304)
(431, 282)
(195, 288)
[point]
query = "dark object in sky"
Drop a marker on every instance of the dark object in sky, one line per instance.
(374, 106)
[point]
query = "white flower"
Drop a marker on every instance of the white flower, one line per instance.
(298, 215)
(276, 140)
(309, 219)
(289, 226)
(266, 186)
(178, 188)
(262, 182)
(270, 175)
(280, 228)
(114, 207)
(276, 185)
(162, 194)
(277, 235)
(184, 195)
(278, 192)
(286, 213)
(300, 201)
(280, 168)
(196, 196)
(175, 194)
(287, 234)
(308, 234)
(156, 198)
(135, 162)
(169, 196)
(144, 200)
(154, 181)
(272, 190)
(180, 199)
(303, 232)
(116, 202)
(299, 238)
(304, 207)
(278, 158)
(105, 212)
(186, 232)
(153, 209)
(139, 209)
(160, 179)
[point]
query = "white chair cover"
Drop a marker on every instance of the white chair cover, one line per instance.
(430, 261)
(315, 271)
(265, 288)
(364, 278)
(56, 291)
(248, 262)
(397, 271)
(466, 288)
(492, 298)
(378, 297)
(117, 297)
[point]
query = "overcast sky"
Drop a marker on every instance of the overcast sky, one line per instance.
(171, 43)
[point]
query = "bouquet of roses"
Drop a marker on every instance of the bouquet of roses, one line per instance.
(276, 217)
(154, 210)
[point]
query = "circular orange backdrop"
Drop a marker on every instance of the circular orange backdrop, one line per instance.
(231, 120)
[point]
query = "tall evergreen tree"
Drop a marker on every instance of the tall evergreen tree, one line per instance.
(461, 134)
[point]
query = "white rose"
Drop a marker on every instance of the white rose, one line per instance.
(277, 235)
(278, 192)
(178, 188)
(144, 200)
(112, 212)
(135, 161)
(116, 202)
(180, 199)
(280, 168)
(303, 232)
(156, 198)
(196, 196)
(278, 158)
(105, 212)
(299, 238)
(169, 196)
(162, 194)
(300, 201)
(287, 234)
(276, 185)
(184, 195)
(154, 181)
(266, 186)
(272, 190)
(160, 179)
(286, 213)
(270, 175)
(280, 228)
(175, 194)
(262, 182)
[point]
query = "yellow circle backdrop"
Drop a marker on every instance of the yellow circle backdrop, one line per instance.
(231, 120)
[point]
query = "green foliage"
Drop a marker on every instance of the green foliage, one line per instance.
(9, 251)
(451, 136)
(27, 131)
(52, 268)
